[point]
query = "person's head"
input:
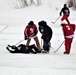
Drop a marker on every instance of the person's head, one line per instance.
(13, 46)
(31, 23)
(65, 5)
(42, 23)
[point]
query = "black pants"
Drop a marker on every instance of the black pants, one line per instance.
(46, 46)
(46, 43)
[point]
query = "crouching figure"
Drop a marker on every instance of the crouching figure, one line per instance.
(46, 32)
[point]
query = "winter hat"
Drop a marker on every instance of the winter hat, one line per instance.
(31, 23)
(42, 23)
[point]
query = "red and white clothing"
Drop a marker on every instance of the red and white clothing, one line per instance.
(68, 30)
(65, 17)
(29, 31)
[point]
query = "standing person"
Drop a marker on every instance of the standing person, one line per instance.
(68, 31)
(66, 13)
(31, 32)
(46, 32)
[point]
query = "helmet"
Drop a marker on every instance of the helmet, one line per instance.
(13, 46)
(65, 5)
(31, 23)
(42, 22)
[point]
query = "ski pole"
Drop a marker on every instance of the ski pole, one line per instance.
(59, 47)
(41, 43)
(19, 42)
(56, 20)
(4, 28)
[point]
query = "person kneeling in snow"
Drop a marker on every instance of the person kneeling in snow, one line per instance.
(46, 32)
(22, 49)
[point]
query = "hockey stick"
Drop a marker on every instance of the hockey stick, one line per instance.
(56, 20)
(19, 42)
(59, 47)
(4, 28)
(52, 48)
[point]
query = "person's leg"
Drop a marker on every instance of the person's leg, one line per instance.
(28, 42)
(62, 18)
(68, 45)
(66, 48)
(46, 46)
(37, 43)
(34, 47)
(70, 42)
(65, 18)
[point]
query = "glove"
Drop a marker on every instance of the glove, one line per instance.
(25, 37)
(42, 31)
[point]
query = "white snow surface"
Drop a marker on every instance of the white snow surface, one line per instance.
(34, 64)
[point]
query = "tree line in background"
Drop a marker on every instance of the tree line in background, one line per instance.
(24, 3)
(72, 4)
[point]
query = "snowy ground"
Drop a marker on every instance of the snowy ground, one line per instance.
(34, 64)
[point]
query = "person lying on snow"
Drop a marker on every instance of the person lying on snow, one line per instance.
(23, 49)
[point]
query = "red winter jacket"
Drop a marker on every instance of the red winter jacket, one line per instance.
(68, 29)
(30, 30)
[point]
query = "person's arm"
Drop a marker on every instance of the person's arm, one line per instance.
(73, 26)
(61, 12)
(25, 34)
(11, 51)
(68, 11)
(36, 30)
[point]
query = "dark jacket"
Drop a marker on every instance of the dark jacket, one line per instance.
(22, 49)
(45, 30)
(65, 10)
